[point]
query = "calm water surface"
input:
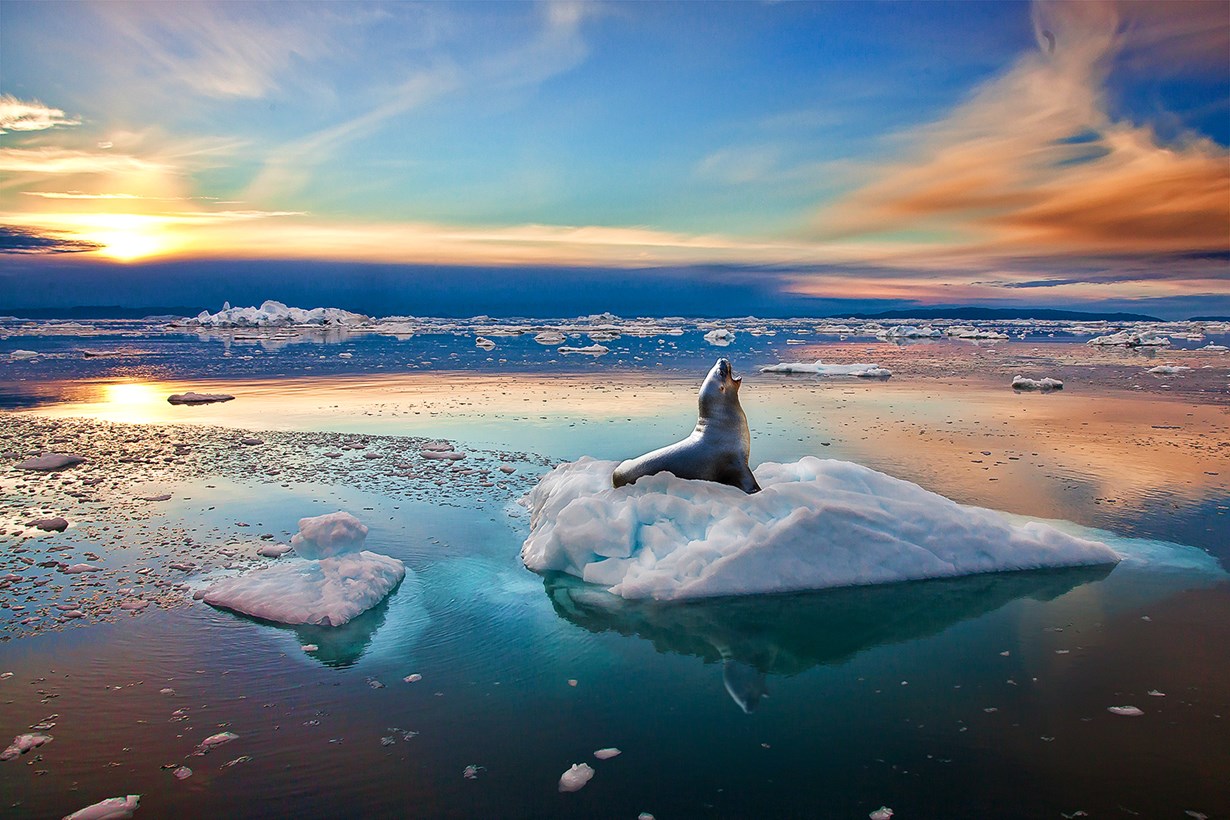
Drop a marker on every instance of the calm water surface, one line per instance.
(977, 697)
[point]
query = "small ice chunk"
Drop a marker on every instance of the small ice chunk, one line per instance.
(56, 524)
(310, 647)
(273, 550)
(166, 690)
(471, 772)
(182, 773)
(113, 808)
(415, 678)
(1153, 693)
(198, 398)
(484, 343)
(250, 441)
(721, 337)
(575, 778)
(324, 536)
(79, 568)
(134, 605)
(1022, 383)
(156, 497)
(607, 753)
(49, 462)
(24, 743)
(1168, 369)
(588, 350)
(882, 813)
(214, 741)
(1126, 711)
(23, 354)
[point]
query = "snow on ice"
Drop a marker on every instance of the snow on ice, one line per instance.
(1022, 383)
(815, 524)
(819, 368)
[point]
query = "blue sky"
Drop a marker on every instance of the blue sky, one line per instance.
(872, 153)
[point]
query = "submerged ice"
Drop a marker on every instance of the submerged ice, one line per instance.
(815, 524)
(332, 581)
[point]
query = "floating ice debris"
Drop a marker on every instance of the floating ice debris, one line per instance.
(166, 690)
(375, 684)
(882, 813)
(214, 741)
(1155, 694)
(113, 808)
(236, 761)
(1126, 711)
(1168, 369)
(251, 441)
(24, 743)
(549, 337)
(572, 682)
(134, 605)
(484, 343)
(819, 368)
(1132, 338)
(345, 355)
(588, 350)
(273, 550)
(49, 462)
(49, 524)
(310, 647)
(182, 773)
(721, 337)
(471, 772)
(198, 398)
(79, 568)
(909, 332)
(575, 778)
(963, 332)
(323, 536)
(645, 816)
(157, 497)
(1045, 384)
(607, 754)
(442, 455)
(23, 354)
(389, 740)
(815, 524)
(1214, 348)
(330, 582)
(507, 469)
(415, 678)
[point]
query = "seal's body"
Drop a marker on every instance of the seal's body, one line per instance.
(718, 448)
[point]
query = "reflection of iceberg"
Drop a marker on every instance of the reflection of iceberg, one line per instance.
(788, 634)
(341, 646)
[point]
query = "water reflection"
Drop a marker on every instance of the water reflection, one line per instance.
(755, 636)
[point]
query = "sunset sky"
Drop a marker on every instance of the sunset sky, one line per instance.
(557, 158)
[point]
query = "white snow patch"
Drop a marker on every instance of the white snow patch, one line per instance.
(323, 536)
(575, 778)
(819, 368)
(815, 524)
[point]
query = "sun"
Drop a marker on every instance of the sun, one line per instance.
(126, 237)
(126, 246)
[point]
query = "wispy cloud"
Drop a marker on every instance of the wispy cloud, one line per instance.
(1033, 161)
(27, 241)
(30, 115)
(55, 161)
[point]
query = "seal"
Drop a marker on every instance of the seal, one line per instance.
(718, 448)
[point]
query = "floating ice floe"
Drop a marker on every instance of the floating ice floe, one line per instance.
(1132, 338)
(275, 314)
(198, 398)
(882, 813)
(24, 743)
(608, 753)
(819, 368)
(214, 741)
(815, 524)
(57, 524)
(720, 337)
(330, 582)
(484, 343)
(909, 332)
(549, 337)
(588, 350)
(1168, 369)
(23, 354)
(113, 808)
(1214, 348)
(1125, 711)
(575, 778)
(964, 332)
(1022, 383)
(50, 462)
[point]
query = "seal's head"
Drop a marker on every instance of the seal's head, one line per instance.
(719, 390)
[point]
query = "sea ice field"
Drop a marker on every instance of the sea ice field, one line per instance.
(668, 651)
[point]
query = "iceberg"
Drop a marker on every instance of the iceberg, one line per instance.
(1044, 384)
(815, 524)
(331, 582)
(275, 314)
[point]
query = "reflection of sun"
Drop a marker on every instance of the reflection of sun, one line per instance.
(129, 394)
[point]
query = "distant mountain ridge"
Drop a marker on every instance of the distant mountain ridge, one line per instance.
(1004, 313)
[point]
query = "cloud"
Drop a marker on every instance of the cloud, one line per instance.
(1033, 161)
(54, 161)
(32, 115)
(26, 241)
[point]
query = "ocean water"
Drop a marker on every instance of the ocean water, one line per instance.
(975, 697)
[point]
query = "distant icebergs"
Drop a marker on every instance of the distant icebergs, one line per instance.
(1132, 338)
(330, 582)
(275, 314)
(819, 368)
(588, 350)
(815, 524)
(720, 337)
